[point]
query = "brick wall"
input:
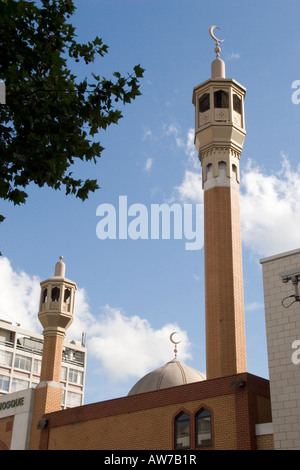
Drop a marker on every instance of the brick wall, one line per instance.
(265, 442)
(224, 301)
(6, 428)
(52, 354)
(47, 399)
(146, 421)
(48, 395)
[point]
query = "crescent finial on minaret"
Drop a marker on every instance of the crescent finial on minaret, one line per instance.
(212, 35)
(218, 65)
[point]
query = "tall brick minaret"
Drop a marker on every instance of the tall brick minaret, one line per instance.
(219, 138)
(56, 315)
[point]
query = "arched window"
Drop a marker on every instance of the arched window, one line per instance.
(237, 104)
(208, 171)
(221, 99)
(222, 169)
(44, 295)
(55, 294)
(67, 296)
(237, 110)
(203, 428)
(204, 102)
(235, 171)
(182, 431)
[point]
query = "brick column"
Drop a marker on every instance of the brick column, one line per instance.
(224, 303)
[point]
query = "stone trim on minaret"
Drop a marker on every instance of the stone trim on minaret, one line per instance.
(56, 315)
(219, 138)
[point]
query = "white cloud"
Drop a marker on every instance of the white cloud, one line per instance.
(125, 346)
(190, 190)
(270, 209)
(84, 321)
(129, 346)
(252, 306)
(186, 143)
(173, 130)
(148, 165)
(147, 134)
(234, 56)
(19, 296)
(190, 148)
(19, 301)
(270, 203)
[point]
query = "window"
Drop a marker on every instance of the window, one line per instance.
(5, 358)
(6, 337)
(18, 384)
(73, 399)
(203, 428)
(67, 296)
(182, 431)
(4, 383)
(37, 365)
(55, 294)
(222, 169)
(68, 355)
(75, 376)
(30, 344)
(204, 102)
(235, 171)
(208, 171)
(237, 110)
(237, 104)
(44, 296)
(23, 362)
(63, 373)
(221, 99)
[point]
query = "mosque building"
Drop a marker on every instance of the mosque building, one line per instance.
(173, 407)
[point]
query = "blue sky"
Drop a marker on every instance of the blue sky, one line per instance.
(133, 293)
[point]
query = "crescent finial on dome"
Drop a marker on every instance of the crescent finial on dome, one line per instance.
(174, 342)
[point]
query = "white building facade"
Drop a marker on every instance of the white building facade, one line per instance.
(281, 275)
(21, 358)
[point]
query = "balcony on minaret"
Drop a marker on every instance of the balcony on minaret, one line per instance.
(219, 113)
(216, 103)
(57, 300)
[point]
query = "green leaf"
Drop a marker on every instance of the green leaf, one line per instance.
(52, 117)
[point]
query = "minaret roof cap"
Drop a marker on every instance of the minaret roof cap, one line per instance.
(60, 268)
(218, 68)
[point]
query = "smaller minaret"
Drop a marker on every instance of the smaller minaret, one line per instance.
(57, 302)
(56, 315)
